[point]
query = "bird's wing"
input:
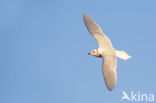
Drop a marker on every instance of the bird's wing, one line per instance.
(96, 32)
(109, 71)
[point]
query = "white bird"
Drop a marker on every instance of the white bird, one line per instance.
(106, 51)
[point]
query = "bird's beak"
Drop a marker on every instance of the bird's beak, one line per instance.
(88, 53)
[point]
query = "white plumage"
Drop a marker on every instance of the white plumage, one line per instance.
(106, 51)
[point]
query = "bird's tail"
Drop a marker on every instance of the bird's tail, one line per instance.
(122, 55)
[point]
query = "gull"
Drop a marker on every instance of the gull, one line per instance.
(106, 51)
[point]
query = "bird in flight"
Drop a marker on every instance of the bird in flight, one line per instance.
(106, 51)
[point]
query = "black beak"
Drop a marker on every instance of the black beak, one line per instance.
(88, 53)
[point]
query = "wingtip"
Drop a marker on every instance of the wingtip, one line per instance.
(91, 25)
(110, 89)
(85, 15)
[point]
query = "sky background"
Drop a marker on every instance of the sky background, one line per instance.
(44, 46)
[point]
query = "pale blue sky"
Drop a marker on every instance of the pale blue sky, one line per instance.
(44, 46)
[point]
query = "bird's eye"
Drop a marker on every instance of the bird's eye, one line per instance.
(93, 51)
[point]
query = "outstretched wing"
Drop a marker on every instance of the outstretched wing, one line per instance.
(102, 40)
(109, 71)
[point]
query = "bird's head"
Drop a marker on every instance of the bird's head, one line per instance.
(94, 53)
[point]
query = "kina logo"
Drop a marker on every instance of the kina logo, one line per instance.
(137, 96)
